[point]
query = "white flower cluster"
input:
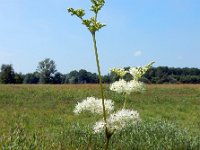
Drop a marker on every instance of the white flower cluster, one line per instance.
(99, 127)
(138, 72)
(120, 72)
(94, 105)
(119, 86)
(134, 85)
(122, 86)
(118, 121)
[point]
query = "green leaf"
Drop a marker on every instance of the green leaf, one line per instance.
(92, 24)
(77, 12)
(97, 5)
(120, 72)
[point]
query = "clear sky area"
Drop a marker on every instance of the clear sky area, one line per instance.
(137, 32)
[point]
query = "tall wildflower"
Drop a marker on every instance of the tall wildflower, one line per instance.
(133, 86)
(120, 119)
(93, 25)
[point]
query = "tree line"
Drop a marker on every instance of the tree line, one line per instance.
(46, 73)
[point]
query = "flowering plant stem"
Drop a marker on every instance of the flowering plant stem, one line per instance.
(93, 25)
(125, 99)
(107, 135)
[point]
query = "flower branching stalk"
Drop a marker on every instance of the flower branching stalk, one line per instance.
(93, 26)
(134, 86)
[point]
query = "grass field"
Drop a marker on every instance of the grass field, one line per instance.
(41, 117)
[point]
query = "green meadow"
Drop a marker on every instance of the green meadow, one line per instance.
(41, 117)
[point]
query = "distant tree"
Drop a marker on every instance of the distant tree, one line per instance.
(66, 80)
(80, 77)
(128, 77)
(114, 77)
(150, 75)
(7, 74)
(195, 71)
(145, 80)
(47, 70)
(58, 78)
(73, 80)
(83, 76)
(72, 77)
(31, 78)
(106, 79)
(92, 77)
(161, 71)
(19, 77)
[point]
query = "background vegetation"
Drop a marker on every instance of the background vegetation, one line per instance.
(41, 117)
(46, 73)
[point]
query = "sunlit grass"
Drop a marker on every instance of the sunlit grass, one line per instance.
(48, 110)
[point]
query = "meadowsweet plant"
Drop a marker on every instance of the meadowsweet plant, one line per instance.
(113, 121)
(93, 25)
(134, 86)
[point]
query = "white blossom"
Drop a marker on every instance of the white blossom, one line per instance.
(99, 126)
(94, 105)
(118, 121)
(135, 86)
(138, 72)
(123, 86)
(122, 118)
(119, 86)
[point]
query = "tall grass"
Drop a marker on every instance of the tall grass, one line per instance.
(143, 136)
(41, 117)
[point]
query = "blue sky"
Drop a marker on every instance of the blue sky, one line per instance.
(137, 32)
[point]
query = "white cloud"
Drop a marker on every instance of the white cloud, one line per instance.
(137, 53)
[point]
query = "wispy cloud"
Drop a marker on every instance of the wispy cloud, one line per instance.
(137, 53)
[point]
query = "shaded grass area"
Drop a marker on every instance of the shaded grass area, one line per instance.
(46, 112)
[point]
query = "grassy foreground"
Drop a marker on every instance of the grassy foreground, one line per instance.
(41, 117)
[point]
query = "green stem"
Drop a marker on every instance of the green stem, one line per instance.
(101, 90)
(125, 99)
(100, 77)
(107, 142)
(107, 135)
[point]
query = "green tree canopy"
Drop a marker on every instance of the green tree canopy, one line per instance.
(31, 78)
(47, 70)
(7, 74)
